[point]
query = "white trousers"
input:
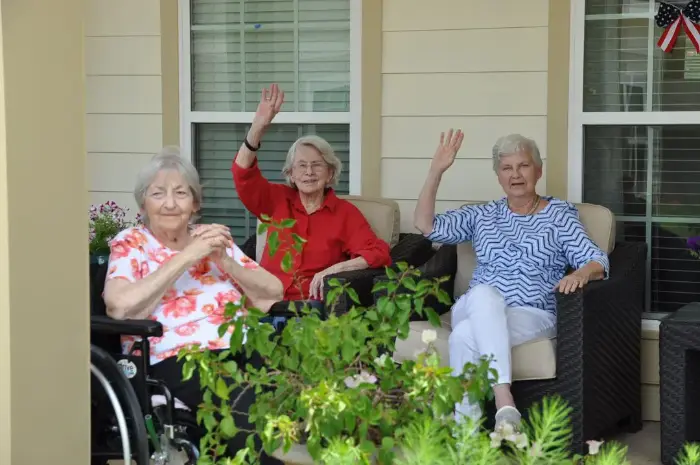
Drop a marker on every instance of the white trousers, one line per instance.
(483, 325)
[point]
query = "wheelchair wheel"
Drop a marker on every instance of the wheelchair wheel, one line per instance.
(124, 402)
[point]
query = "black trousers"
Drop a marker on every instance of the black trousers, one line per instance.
(170, 372)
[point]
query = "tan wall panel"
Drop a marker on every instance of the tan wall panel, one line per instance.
(122, 56)
(465, 94)
(44, 305)
(468, 179)
(170, 49)
(417, 137)
(123, 199)
(404, 15)
(123, 94)
(123, 133)
(460, 51)
(122, 18)
(115, 172)
(406, 208)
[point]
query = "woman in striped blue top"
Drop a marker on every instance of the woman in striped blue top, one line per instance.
(524, 244)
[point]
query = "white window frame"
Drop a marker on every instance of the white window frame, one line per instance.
(578, 118)
(188, 117)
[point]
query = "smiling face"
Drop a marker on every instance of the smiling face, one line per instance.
(310, 172)
(518, 174)
(169, 203)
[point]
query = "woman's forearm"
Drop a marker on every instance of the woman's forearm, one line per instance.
(246, 157)
(258, 283)
(592, 271)
(354, 264)
(424, 213)
(137, 300)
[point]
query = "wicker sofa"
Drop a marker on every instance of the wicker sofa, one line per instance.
(594, 364)
(384, 217)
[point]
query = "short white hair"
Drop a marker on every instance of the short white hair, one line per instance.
(326, 151)
(168, 158)
(513, 143)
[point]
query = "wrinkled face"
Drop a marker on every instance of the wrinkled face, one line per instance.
(310, 172)
(518, 174)
(169, 203)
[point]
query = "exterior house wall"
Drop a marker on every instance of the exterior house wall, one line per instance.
(459, 64)
(124, 117)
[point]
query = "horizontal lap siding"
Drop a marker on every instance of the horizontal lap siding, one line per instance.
(479, 66)
(123, 95)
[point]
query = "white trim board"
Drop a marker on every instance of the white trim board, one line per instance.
(354, 117)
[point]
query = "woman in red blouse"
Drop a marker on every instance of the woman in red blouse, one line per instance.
(338, 237)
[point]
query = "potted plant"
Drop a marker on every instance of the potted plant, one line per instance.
(329, 391)
(105, 222)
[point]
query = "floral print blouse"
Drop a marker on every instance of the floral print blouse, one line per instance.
(192, 310)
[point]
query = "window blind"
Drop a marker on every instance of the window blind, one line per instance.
(647, 175)
(216, 146)
(617, 54)
(240, 46)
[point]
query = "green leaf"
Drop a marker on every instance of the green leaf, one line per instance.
(262, 227)
(228, 427)
(188, 370)
(221, 389)
(444, 297)
(334, 282)
(288, 223)
(223, 328)
(409, 283)
(209, 420)
(298, 239)
(265, 217)
(287, 262)
(371, 315)
(230, 367)
(352, 293)
(237, 338)
(433, 317)
(273, 243)
(402, 266)
(390, 273)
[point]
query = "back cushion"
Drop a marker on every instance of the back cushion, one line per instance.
(598, 221)
(383, 216)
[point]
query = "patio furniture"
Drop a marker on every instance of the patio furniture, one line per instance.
(384, 217)
(594, 364)
(679, 360)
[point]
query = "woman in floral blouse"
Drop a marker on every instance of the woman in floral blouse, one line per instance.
(181, 275)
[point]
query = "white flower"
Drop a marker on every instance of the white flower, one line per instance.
(495, 440)
(381, 360)
(594, 446)
(363, 378)
(428, 336)
(535, 450)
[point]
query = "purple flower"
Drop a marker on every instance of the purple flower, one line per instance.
(694, 243)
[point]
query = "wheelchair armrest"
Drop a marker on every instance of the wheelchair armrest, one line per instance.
(144, 328)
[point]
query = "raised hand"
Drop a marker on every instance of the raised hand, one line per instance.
(270, 104)
(447, 150)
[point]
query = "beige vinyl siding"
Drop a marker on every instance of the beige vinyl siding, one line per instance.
(461, 64)
(123, 95)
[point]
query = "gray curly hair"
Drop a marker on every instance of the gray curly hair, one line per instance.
(168, 158)
(326, 151)
(513, 143)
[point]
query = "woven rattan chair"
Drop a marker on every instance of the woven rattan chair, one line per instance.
(594, 363)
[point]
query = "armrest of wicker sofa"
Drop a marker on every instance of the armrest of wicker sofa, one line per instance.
(443, 263)
(599, 327)
(412, 249)
(249, 246)
(360, 280)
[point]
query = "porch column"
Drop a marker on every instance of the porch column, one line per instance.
(44, 323)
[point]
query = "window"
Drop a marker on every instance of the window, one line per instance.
(635, 138)
(231, 49)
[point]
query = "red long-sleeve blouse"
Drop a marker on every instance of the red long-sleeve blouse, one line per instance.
(336, 232)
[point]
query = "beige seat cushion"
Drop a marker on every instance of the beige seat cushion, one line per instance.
(383, 216)
(532, 360)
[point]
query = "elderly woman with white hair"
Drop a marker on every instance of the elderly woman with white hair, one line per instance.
(524, 244)
(182, 275)
(338, 237)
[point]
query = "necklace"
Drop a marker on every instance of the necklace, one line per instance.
(535, 204)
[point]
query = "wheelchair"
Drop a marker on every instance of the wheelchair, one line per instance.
(134, 416)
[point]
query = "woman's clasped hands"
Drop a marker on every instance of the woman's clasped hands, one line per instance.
(209, 240)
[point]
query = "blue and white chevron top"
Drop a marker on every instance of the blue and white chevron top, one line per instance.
(523, 256)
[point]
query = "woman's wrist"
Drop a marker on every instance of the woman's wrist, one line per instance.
(255, 134)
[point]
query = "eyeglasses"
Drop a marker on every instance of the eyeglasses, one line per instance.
(315, 166)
